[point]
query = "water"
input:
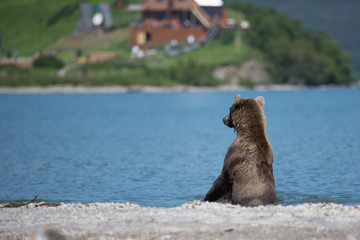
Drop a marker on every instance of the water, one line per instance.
(167, 149)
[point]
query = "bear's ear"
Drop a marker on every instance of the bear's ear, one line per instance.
(260, 100)
(237, 99)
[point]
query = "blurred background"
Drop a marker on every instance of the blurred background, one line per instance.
(171, 42)
(337, 19)
(163, 149)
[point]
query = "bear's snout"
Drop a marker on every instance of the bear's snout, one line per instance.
(227, 121)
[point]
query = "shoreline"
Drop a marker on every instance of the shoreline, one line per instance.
(192, 220)
(70, 89)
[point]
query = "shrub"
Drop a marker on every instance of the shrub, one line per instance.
(294, 52)
(227, 36)
(65, 11)
(246, 82)
(48, 62)
(192, 73)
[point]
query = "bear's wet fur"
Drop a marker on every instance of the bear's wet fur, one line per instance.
(247, 174)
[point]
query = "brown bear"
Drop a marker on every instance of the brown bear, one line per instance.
(247, 173)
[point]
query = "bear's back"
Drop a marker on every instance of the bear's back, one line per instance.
(249, 166)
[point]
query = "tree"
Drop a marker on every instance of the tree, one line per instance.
(295, 54)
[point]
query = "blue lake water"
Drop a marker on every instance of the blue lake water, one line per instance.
(166, 149)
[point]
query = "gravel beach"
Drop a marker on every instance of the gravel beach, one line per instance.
(193, 220)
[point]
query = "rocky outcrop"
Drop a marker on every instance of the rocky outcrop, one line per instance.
(250, 70)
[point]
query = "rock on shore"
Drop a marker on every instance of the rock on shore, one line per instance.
(193, 220)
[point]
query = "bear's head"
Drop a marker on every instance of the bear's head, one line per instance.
(246, 113)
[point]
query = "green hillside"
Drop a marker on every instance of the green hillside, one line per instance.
(32, 25)
(289, 53)
(24, 24)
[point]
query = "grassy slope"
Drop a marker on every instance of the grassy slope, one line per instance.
(24, 27)
(23, 23)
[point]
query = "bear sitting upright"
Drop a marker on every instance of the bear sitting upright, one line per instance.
(247, 174)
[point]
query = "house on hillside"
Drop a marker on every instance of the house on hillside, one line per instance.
(181, 20)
